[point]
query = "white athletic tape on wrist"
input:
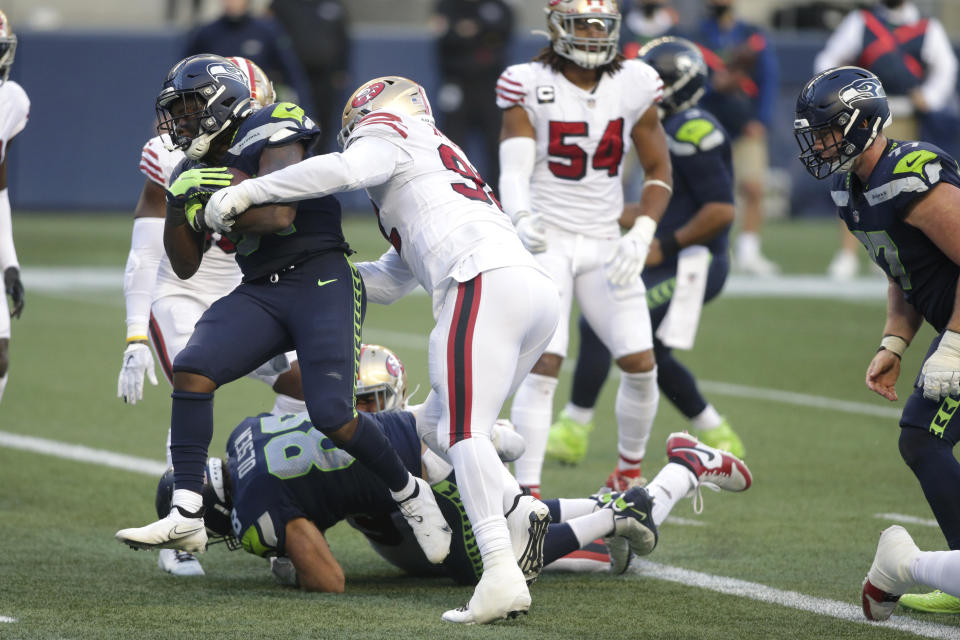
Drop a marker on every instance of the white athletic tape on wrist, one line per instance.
(894, 344)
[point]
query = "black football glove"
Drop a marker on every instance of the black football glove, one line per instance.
(14, 288)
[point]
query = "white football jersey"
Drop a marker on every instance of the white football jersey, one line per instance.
(437, 212)
(582, 138)
(218, 273)
(14, 112)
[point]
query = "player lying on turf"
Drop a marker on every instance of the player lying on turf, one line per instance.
(284, 484)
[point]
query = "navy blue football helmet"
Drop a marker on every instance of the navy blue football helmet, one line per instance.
(840, 112)
(203, 94)
(217, 503)
(682, 69)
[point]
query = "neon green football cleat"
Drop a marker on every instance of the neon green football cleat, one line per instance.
(722, 437)
(933, 602)
(567, 440)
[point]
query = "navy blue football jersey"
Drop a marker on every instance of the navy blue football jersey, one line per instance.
(281, 468)
(702, 170)
(317, 227)
(875, 212)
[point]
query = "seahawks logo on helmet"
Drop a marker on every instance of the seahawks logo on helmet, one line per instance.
(218, 70)
(863, 89)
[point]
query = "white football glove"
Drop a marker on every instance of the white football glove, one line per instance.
(941, 371)
(137, 361)
(224, 206)
(531, 231)
(626, 264)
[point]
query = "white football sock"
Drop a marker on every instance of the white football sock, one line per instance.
(636, 407)
(706, 419)
(531, 414)
(571, 508)
(748, 245)
(3, 384)
(578, 414)
(187, 500)
(673, 483)
(590, 527)
(287, 404)
(481, 490)
(407, 491)
(938, 569)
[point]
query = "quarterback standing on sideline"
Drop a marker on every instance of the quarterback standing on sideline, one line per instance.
(162, 309)
(495, 307)
(299, 290)
(569, 118)
(900, 199)
(14, 111)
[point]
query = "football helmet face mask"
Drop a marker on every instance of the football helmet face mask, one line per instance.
(218, 506)
(261, 89)
(201, 97)
(382, 377)
(682, 69)
(8, 47)
(840, 112)
(389, 92)
(586, 32)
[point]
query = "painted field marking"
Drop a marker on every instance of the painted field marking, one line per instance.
(81, 453)
(791, 599)
(720, 584)
(900, 517)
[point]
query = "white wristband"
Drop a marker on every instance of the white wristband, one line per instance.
(658, 183)
(894, 344)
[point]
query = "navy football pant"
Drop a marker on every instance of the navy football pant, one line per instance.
(315, 308)
(929, 432)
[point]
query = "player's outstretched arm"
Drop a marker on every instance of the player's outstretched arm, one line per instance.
(317, 569)
(388, 279)
(139, 279)
(270, 218)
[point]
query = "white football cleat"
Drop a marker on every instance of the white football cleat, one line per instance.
(501, 593)
(889, 576)
(509, 444)
(528, 522)
(844, 265)
(179, 563)
(176, 531)
(430, 528)
(756, 265)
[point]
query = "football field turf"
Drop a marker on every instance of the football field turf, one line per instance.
(783, 560)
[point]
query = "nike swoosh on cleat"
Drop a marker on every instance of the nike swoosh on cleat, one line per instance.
(177, 532)
(321, 283)
(709, 454)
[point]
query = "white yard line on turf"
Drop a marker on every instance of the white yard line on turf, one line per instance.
(731, 586)
(81, 453)
(820, 606)
(869, 289)
(900, 517)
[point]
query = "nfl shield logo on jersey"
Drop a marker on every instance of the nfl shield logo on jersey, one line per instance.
(545, 94)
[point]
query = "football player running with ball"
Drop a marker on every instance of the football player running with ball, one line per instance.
(14, 111)
(299, 291)
(162, 309)
(495, 307)
(569, 118)
(899, 198)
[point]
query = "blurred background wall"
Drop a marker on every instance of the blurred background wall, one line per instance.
(92, 70)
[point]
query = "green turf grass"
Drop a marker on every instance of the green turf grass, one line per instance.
(807, 525)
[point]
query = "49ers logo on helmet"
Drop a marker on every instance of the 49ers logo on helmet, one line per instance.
(393, 366)
(367, 94)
